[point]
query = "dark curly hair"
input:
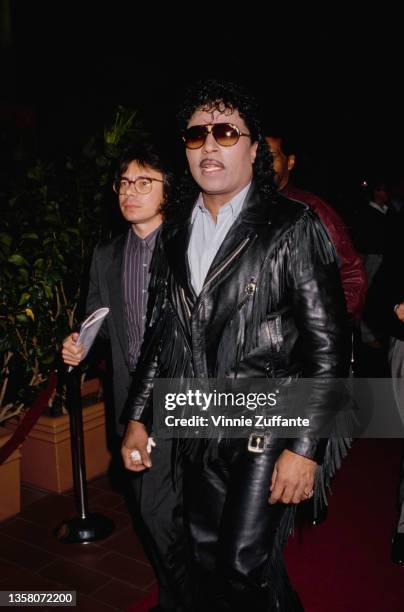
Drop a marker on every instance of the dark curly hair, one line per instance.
(219, 95)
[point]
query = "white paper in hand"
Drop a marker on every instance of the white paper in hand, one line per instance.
(89, 330)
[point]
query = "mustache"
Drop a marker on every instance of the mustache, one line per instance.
(208, 161)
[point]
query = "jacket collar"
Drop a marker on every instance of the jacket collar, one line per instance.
(254, 217)
(115, 289)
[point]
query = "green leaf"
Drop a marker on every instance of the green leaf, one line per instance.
(6, 239)
(18, 260)
(101, 161)
(23, 274)
(24, 298)
(112, 150)
(30, 236)
(39, 264)
(48, 291)
(34, 173)
(21, 318)
(51, 219)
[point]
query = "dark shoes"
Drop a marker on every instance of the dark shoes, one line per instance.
(397, 549)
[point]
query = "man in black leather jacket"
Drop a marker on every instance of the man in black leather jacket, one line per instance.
(251, 290)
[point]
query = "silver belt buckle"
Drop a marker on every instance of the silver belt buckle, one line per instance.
(256, 443)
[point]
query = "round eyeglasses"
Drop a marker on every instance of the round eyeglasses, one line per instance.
(142, 185)
(225, 134)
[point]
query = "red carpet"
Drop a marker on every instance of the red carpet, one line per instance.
(145, 604)
(344, 564)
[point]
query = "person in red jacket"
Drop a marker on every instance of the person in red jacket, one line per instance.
(353, 275)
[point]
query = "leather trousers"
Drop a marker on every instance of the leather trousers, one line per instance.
(233, 527)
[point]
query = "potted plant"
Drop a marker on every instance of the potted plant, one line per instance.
(9, 480)
(53, 216)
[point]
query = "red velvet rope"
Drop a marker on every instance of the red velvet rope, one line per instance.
(29, 420)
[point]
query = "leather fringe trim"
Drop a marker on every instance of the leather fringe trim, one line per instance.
(304, 244)
(280, 591)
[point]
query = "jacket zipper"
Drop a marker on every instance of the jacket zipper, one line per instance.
(184, 299)
(228, 261)
(224, 265)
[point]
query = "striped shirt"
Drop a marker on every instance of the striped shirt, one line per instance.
(136, 276)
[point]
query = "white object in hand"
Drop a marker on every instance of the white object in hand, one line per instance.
(135, 455)
(89, 330)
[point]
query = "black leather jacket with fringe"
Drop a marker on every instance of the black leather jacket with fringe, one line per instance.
(271, 306)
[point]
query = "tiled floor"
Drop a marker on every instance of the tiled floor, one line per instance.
(108, 575)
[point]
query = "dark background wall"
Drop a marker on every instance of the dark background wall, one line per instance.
(336, 85)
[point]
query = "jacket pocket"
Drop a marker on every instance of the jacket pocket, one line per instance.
(272, 328)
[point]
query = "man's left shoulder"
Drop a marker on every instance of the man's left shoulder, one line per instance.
(296, 223)
(314, 201)
(286, 213)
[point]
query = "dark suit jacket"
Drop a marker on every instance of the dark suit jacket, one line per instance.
(105, 289)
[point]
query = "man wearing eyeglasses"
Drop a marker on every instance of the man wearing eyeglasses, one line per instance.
(251, 291)
(119, 279)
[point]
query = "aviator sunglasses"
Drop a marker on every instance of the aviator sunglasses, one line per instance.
(225, 134)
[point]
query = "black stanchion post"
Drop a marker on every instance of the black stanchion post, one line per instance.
(85, 527)
(77, 442)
